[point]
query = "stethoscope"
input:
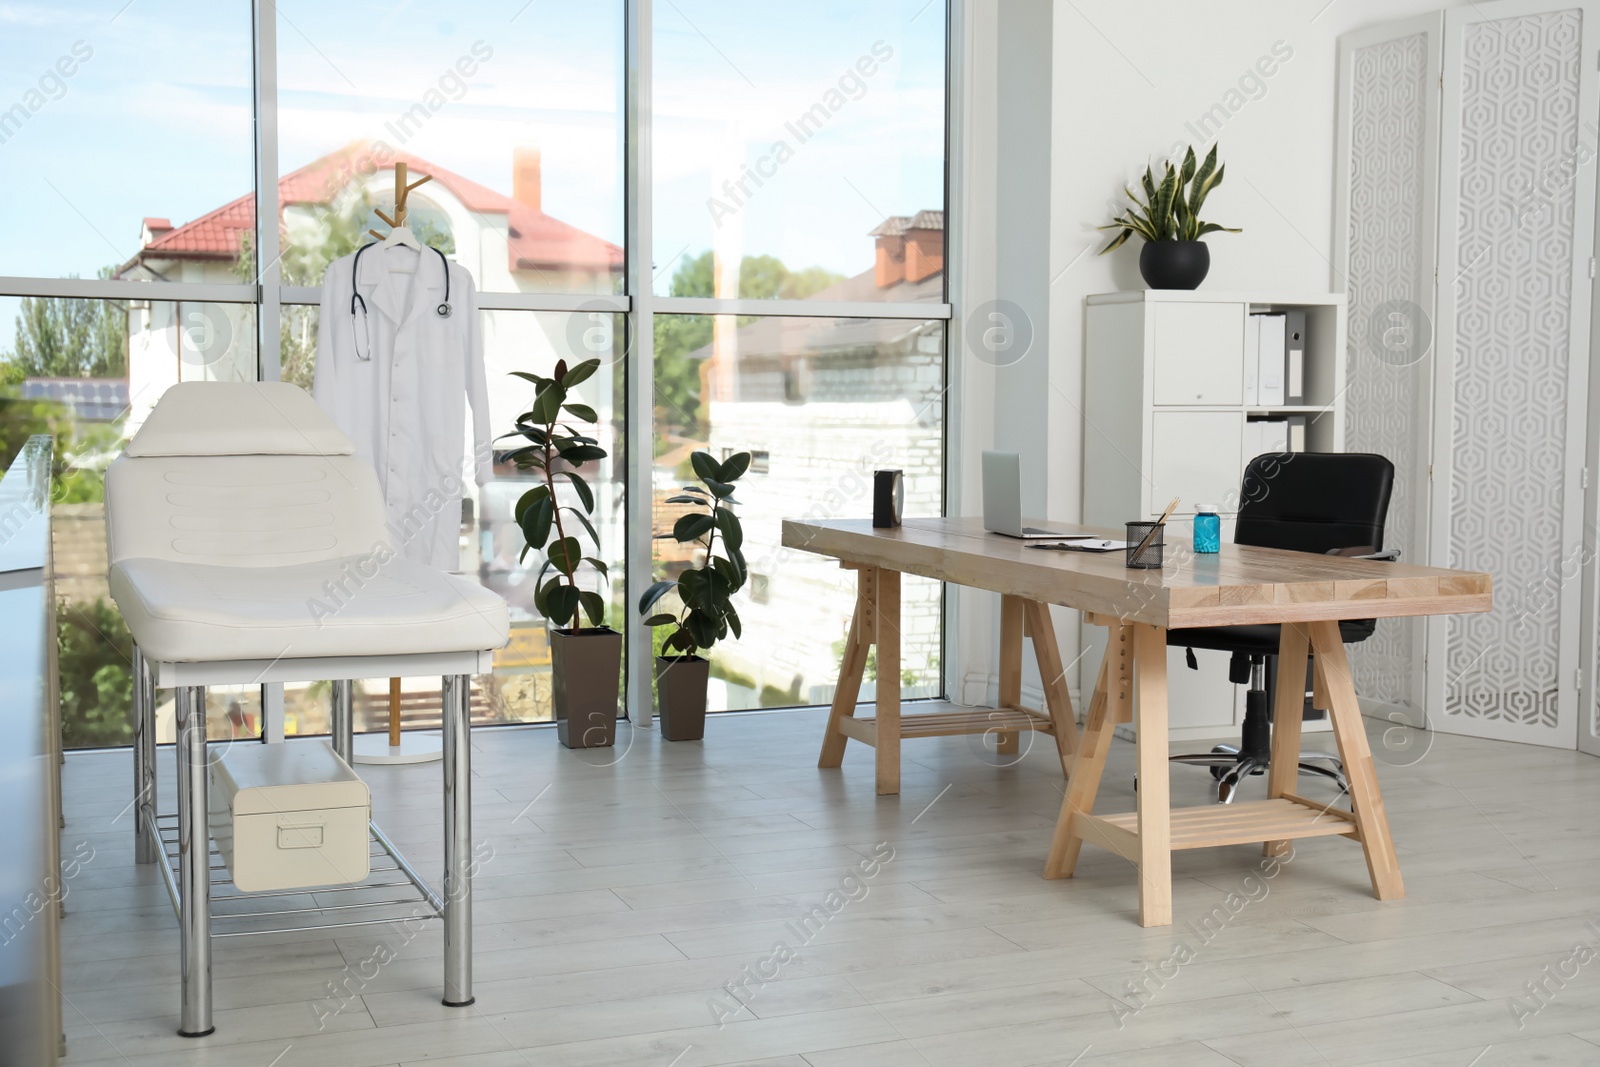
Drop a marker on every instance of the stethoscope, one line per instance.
(356, 300)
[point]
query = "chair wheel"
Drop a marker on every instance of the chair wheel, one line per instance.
(1218, 772)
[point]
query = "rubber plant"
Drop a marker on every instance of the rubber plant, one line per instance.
(585, 662)
(705, 613)
(1170, 210)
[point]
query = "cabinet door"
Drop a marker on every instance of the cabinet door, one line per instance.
(1195, 456)
(1199, 353)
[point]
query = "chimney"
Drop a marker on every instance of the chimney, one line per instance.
(924, 246)
(525, 177)
(890, 268)
(154, 229)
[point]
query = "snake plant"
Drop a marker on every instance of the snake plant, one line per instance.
(1170, 210)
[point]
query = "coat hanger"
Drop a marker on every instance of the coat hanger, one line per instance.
(400, 235)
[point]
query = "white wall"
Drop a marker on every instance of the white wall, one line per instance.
(1127, 79)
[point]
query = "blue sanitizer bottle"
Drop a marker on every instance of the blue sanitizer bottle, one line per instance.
(1207, 529)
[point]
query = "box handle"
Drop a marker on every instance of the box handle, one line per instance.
(309, 836)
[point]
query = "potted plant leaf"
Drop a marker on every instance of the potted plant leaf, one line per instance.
(705, 613)
(585, 661)
(1168, 218)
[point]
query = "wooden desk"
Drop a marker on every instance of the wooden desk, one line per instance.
(1241, 584)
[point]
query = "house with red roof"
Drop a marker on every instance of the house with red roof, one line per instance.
(508, 242)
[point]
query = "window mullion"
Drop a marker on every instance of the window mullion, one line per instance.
(266, 153)
(641, 355)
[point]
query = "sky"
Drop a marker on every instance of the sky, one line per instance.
(155, 118)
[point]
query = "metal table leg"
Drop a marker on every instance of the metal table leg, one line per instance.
(194, 865)
(146, 845)
(457, 842)
(343, 725)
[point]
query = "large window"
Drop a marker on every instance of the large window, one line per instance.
(795, 186)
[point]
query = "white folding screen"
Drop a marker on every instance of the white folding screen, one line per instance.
(1510, 398)
(1383, 254)
(1467, 205)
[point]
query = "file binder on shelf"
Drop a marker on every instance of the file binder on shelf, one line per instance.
(1264, 436)
(1294, 387)
(1270, 360)
(1252, 362)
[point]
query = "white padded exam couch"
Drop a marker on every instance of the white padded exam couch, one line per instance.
(247, 545)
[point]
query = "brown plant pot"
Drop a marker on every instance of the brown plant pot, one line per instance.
(586, 673)
(681, 696)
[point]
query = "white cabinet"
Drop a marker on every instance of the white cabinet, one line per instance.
(1165, 410)
(1166, 415)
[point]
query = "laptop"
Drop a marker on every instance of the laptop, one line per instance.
(1002, 499)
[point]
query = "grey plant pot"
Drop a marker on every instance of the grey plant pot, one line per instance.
(681, 696)
(586, 675)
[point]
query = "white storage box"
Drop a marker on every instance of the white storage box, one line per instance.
(289, 816)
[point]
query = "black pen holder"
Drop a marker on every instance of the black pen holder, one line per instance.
(1152, 555)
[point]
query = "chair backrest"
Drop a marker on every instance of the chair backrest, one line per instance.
(1315, 501)
(241, 475)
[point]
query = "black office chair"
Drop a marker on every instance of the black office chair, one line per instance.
(1332, 503)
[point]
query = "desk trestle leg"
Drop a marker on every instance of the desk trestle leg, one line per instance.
(1113, 696)
(863, 628)
(1053, 676)
(1013, 628)
(1333, 673)
(1155, 812)
(1283, 774)
(876, 624)
(887, 626)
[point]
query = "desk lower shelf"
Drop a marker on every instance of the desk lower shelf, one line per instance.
(1282, 819)
(951, 723)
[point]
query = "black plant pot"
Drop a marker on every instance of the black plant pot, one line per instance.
(586, 673)
(681, 696)
(1174, 264)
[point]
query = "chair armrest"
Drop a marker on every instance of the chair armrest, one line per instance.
(1388, 555)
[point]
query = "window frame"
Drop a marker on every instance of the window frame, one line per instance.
(638, 304)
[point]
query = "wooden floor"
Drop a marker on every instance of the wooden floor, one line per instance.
(624, 892)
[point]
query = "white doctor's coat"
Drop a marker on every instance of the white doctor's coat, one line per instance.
(403, 406)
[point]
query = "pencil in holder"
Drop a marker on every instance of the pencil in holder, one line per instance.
(1151, 556)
